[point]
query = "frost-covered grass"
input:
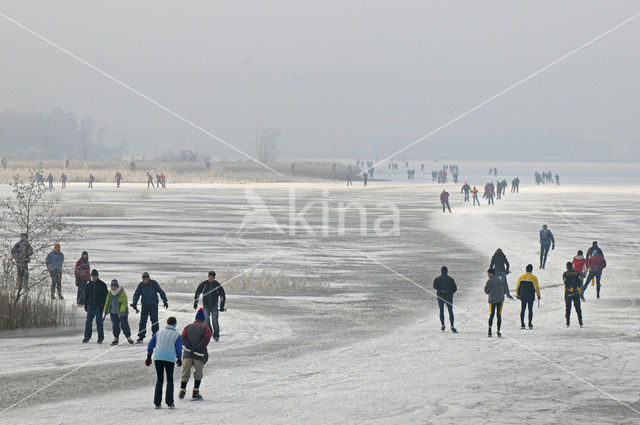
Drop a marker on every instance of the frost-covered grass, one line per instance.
(34, 311)
(180, 172)
(88, 211)
(264, 282)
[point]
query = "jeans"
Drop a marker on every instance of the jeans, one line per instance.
(148, 311)
(576, 304)
(445, 204)
(475, 199)
(93, 312)
(503, 277)
(161, 367)
(544, 250)
(524, 304)
(441, 304)
(496, 309)
(212, 311)
(119, 322)
(466, 196)
(597, 274)
(56, 281)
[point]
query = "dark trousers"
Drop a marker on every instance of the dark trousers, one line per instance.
(597, 274)
(524, 304)
(445, 204)
(162, 367)
(490, 200)
(544, 251)
(466, 196)
(576, 304)
(118, 322)
(441, 304)
(212, 312)
(82, 285)
(496, 309)
(148, 311)
(56, 281)
(93, 312)
(22, 275)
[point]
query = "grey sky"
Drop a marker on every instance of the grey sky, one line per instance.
(340, 79)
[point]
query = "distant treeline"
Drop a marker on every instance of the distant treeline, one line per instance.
(53, 134)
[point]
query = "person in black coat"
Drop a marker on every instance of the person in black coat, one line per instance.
(445, 287)
(572, 291)
(211, 290)
(147, 291)
(500, 264)
(95, 296)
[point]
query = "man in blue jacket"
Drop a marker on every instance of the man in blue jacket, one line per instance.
(54, 262)
(546, 241)
(168, 352)
(148, 289)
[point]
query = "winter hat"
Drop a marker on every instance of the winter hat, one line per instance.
(444, 270)
(85, 253)
(569, 265)
(491, 271)
(200, 315)
(212, 273)
(114, 282)
(94, 272)
(145, 274)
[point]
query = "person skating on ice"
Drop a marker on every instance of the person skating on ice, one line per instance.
(495, 289)
(546, 240)
(526, 290)
(195, 338)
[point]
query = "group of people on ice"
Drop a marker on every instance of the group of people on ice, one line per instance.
(527, 286)
(546, 177)
(161, 180)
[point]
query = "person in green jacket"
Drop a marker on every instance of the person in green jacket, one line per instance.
(118, 309)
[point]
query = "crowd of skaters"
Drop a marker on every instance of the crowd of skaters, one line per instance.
(47, 182)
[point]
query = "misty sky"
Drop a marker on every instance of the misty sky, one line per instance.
(339, 78)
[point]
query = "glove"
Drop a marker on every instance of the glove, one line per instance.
(148, 361)
(195, 305)
(222, 309)
(179, 362)
(166, 305)
(553, 247)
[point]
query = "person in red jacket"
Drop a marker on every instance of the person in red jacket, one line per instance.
(444, 200)
(595, 264)
(580, 265)
(82, 273)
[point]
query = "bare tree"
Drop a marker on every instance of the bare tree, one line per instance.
(30, 212)
(267, 144)
(87, 135)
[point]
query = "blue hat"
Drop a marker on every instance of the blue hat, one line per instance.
(200, 315)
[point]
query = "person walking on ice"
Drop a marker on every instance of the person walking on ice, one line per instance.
(167, 344)
(195, 338)
(148, 290)
(444, 200)
(474, 192)
(211, 291)
(445, 287)
(595, 265)
(495, 289)
(526, 290)
(150, 180)
(54, 262)
(546, 240)
(117, 308)
(572, 290)
(95, 296)
(82, 273)
(466, 189)
(500, 264)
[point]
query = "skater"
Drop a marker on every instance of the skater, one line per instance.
(526, 290)
(465, 189)
(95, 296)
(118, 179)
(572, 291)
(580, 265)
(91, 180)
(117, 308)
(444, 200)
(149, 180)
(365, 177)
(595, 265)
(158, 181)
(594, 249)
(474, 192)
(546, 240)
(82, 273)
(557, 179)
(211, 290)
(195, 338)
(168, 353)
(50, 181)
(148, 289)
(40, 180)
(63, 180)
(445, 287)
(163, 180)
(21, 254)
(349, 182)
(500, 265)
(495, 289)
(54, 262)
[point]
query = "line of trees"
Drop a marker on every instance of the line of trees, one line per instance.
(53, 134)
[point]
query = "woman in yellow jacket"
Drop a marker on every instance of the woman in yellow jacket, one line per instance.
(118, 309)
(526, 290)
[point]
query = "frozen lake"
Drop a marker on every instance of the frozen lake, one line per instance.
(370, 351)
